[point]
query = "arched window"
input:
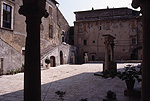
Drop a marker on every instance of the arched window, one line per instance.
(93, 58)
(50, 31)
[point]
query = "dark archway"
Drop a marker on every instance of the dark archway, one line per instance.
(52, 59)
(93, 58)
(61, 57)
(134, 54)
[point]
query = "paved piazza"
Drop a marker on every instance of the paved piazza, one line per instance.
(77, 81)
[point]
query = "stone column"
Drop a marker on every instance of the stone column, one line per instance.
(109, 53)
(106, 66)
(146, 52)
(33, 10)
(145, 9)
(32, 74)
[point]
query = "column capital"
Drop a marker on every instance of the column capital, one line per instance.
(33, 10)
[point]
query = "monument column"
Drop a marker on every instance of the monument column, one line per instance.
(33, 10)
(109, 53)
(106, 55)
(145, 9)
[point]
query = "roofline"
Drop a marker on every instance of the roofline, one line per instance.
(139, 17)
(55, 1)
(104, 9)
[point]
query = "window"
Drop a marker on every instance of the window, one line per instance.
(63, 32)
(93, 41)
(50, 31)
(84, 42)
(133, 24)
(100, 27)
(23, 50)
(134, 41)
(50, 10)
(84, 27)
(107, 25)
(63, 39)
(7, 16)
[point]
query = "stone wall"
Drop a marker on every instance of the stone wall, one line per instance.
(12, 59)
(124, 29)
(16, 35)
(55, 23)
(66, 51)
(53, 30)
(105, 13)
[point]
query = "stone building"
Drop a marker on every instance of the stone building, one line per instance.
(54, 36)
(122, 23)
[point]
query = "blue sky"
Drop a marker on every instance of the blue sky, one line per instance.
(67, 7)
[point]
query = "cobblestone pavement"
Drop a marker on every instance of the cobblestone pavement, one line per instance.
(77, 81)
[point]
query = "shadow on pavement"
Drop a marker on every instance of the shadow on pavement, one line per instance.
(77, 87)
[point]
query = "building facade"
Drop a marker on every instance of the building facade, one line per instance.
(122, 23)
(54, 36)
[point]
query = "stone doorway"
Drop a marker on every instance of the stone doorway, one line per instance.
(93, 58)
(52, 59)
(61, 57)
(1, 66)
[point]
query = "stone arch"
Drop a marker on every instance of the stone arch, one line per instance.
(93, 57)
(52, 60)
(61, 57)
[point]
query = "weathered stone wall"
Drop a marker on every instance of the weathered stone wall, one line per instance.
(105, 13)
(15, 37)
(123, 29)
(12, 59)
(66, 50)
(59, 24)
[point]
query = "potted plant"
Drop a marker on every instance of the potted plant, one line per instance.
(130, 74)
(111, 96)
(47, 61)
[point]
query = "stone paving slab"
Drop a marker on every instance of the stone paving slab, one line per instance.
(78, 81)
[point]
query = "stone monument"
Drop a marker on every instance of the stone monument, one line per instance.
(109, 63)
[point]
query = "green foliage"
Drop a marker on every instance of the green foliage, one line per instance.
(22, 68)
(11, 72)
(60, 93)
(111, 95)
(47, 61)
(109, 73)
(130, 73)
